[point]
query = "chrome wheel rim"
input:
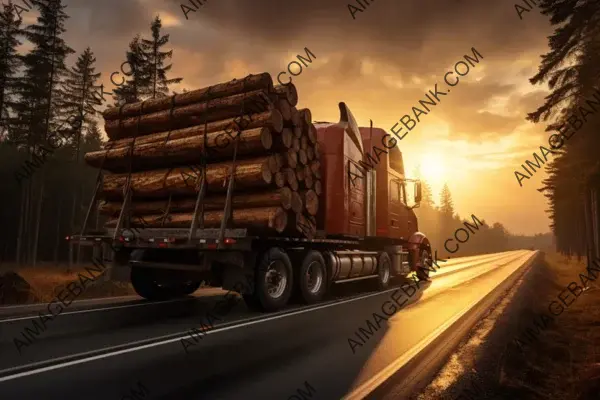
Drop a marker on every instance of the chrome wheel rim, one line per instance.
(275, 279)
(314, 277)
(385, 272)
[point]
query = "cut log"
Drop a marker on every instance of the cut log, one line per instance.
(279, 179)
(264, 218)
(300, 171)
(317, 151)
(304, 142)
(285, 109)
(304, 226)
(181, 151)
(297, 132)
(305, 116)
(271, 119)
(296, 144)
(291, 158)
(302, 157)
(284, 140)
(312, 133)
(290, 178)
(310, 153)
(311, 201)
(245, 104)
(308, 181)
(284, 198)
(275, 163)
(296, 119)
(315, 168)
(249, 174)
(297, 204)
(250, 83)
(287, 91)
(318, 188)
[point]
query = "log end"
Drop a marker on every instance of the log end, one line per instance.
(266, 138)
(279, 220)
(279, 179)
(311, 201)
(292, 158)
(287, 198)
(276, 121)
(318, 188)
(302, 157)
(296, 201)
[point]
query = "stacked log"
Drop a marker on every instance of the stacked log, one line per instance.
(166, 149)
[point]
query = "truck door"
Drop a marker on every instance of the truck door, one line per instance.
(398, 223)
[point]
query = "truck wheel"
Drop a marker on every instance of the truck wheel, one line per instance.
(311, 277)
(274, 279)
(425, 263)
(146, 286)
(384, 267)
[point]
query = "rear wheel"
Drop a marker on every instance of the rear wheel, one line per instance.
(311, 277)
(156, 284)
(384, 267)
(274, 281)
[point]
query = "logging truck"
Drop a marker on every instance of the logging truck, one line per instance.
(365, 229)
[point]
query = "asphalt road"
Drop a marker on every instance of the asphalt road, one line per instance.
(104, 349)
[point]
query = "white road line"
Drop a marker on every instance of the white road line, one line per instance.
(182, 335)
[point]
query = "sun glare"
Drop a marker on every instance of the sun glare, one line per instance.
(433, 168)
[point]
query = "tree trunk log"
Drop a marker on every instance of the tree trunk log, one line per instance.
(296, 119)
(284, 198)
(291, 158)
(290, 178)
(287, 92)
(285, 109)
(317, 151)
(308, 181)
(304, 142)
(296, 144)
(249, 174)
(305, 116)
(310, 201)
(279, 179)
(302, 157)
(255, 218)
(310, 153)
(181, 151)
(318, 188)
(315, 168)
(312, 133)
(271, 119)
(300, 172)
(297, 204)
(193, 114)
(250, 83)
(275, 163)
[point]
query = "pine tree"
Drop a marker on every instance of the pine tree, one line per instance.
(138, 85)
(446, 204)
(10, 28)
(156, 58)
(79, 98)
(39, 94)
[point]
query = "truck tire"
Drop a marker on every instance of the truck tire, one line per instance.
(384, 268)
(311, 277)
(145, 285)
(274, 280)
(424, 265)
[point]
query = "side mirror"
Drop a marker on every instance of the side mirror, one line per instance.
(418, 192)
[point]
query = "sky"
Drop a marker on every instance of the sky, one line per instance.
(380, 62)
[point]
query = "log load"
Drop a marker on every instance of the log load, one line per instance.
(274, 218)
(162, 149)
(284, 198)
(193, 114)
(249, 174)
(271, 119)
(250, 83)
(181, 151)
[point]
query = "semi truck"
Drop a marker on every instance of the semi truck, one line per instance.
(366, 230)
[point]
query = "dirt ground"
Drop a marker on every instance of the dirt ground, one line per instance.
(507, 356)
(41, 284)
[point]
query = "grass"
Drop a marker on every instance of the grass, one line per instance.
(564, 363)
